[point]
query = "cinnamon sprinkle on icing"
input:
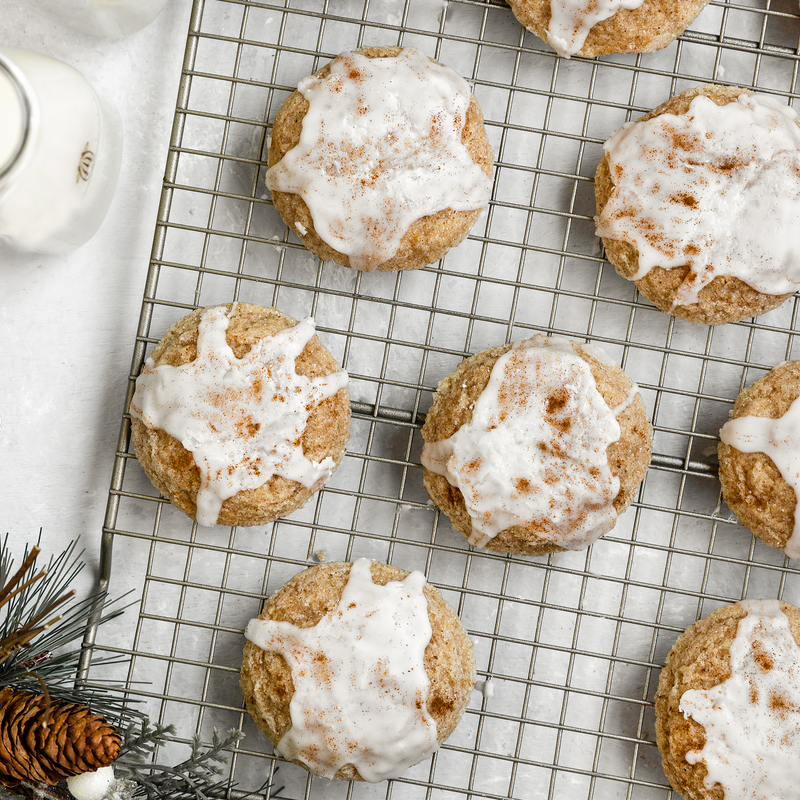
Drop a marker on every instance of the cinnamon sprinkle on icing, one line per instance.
(716, 189)
(751, 721)
(242, 419)
(534, 451)
(380, 148)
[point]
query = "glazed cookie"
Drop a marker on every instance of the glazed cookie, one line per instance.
(698, 203)
(595, 27)
(759, 458)
(357, 671)
(393, 165)
(728, 704)
(240, 414)
(535, 447)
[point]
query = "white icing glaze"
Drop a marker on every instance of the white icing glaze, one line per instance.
(241, 418)
(605, 358)
(717, 189)
(633, 393)
(359, 678)
(571, 21)
(752, 720)
(780, 440)
(535, 449)
(379, 149)
(599, 354)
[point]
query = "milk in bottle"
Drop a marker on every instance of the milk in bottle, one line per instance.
(60, 153)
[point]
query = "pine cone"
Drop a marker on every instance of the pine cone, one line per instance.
(74, 741)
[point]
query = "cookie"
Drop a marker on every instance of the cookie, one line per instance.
(728, 704)
(585, 28)
(759, 458)
(535, 447)
(240, 414)
(357, 671)
(393, 166)
(698, 203)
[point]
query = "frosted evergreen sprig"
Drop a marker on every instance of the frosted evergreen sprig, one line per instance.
(192, 779)
(41, 630)
(141, 738)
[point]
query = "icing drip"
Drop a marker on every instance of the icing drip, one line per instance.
(780, 440)
(535, 449)
(571, 21)
(242, 419)
(717, 189)
(633, 393)
(379, 149)
(752, 720)
(604, 358)
(360, 685)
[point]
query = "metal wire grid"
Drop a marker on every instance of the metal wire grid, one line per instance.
(568, 647)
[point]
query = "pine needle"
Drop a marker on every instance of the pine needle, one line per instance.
(196, 778)
(40, 653)
(35, 643)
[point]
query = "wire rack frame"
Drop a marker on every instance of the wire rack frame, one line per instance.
(568, 647)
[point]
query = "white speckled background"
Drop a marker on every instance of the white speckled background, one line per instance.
(66, 322)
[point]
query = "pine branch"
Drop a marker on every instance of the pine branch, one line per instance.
(56, 581)
(22, 636)
(36, 645)
(7, 593)
(200, 758)
(192, 779)
(140, 739)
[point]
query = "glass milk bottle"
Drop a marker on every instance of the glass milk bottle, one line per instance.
(112, 18)
(60, 153)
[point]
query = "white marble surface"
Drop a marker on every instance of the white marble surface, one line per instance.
(67, 323)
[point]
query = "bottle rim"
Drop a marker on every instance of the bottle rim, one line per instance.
(30, 120)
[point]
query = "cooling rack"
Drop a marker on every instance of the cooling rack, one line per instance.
(568, 647)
